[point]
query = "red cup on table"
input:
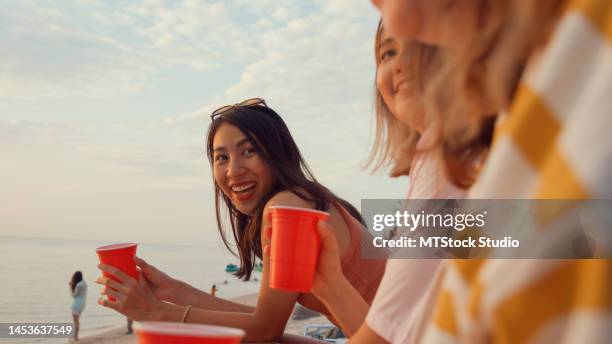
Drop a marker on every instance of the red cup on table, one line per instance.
(120, 256)
(155, 332)
(295, 247)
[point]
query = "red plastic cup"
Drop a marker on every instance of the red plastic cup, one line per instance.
(120, 256)
(294, 247)
(155, 332)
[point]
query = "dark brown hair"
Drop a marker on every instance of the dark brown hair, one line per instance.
(272, 141)
(76, 278)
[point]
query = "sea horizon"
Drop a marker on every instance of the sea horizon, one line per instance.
(36, 272)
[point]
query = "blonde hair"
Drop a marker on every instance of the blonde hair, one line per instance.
(395, 142)
(479, 80)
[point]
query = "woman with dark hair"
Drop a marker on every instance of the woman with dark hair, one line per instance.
(256, 164)
(78, 290)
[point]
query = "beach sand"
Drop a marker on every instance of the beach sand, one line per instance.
(118, 336)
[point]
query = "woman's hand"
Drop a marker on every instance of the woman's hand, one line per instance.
(329, 269)
(330, 285)
(133, 298)
(163, 286)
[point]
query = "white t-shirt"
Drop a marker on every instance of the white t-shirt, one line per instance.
(406, 293)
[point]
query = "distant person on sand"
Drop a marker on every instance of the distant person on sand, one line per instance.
(213, 290)
(129, 326)
(78, 290)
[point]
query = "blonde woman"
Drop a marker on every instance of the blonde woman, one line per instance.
(404, 141)
(546, 65)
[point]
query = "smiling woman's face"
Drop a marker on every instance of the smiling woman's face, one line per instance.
(396, 80)
(241, 174)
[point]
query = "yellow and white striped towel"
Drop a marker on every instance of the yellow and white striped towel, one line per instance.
(554, 143)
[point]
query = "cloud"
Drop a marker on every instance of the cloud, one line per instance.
(98, 49)
(102, 156)
(81, 180)
(45, 56)
(314, 65)
(80, 160)
(317, 72)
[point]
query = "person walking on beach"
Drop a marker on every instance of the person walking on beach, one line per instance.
(129, 326)
(213, 290)
(78, 290)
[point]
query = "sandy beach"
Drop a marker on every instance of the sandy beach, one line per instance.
(118, 336)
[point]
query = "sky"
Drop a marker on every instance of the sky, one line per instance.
(104, 107)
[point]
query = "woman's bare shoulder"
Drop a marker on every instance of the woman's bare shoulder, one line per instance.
(290, 199)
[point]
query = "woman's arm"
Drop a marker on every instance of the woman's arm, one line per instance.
(333, 289)
(136, 300)
(345, 304)
(330, 285)
(77, 290)
(178, 292)
(189, 295)
(365, 335)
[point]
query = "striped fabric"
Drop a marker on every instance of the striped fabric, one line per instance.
(555, 143)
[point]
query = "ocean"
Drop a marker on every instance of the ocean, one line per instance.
(35, 274)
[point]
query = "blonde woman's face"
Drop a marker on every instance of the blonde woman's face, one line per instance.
(446, 23)
(397, 83)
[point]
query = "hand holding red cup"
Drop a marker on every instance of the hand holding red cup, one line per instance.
(120, 256)
(294, 248)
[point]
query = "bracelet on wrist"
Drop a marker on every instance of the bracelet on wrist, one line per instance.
(186, 313)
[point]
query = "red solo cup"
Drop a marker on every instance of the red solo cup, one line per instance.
(156, 332)
(294, 247)
(120, 256)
